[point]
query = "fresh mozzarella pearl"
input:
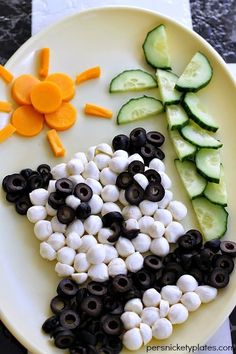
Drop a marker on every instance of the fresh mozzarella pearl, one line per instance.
(104, 148)
(150, 315)
(162, 329)
(178, 210)
(107, 176)
(94, 185)
(96, 254)
(36, 213)
(146, 333)
(124, 247)
(57, 226)
(82, 157)
(131, 212)
(160, 247)
(109, 207)
(206, 293)
(66, 255)
(156, 230)
(75, 167)
(144, 223)
(148, 208)
(39, 196)
(141, 180)
(130, 319)
(122, 198)
(141, 243)
(72, 201)
(87, 242)
(177, 314)
(76, 226)
(164, 308)
(75, 179)
(134, 305)
(56, 240)
(151, 297)
(50, 211)
(132, 339)
(171, 293)
(117, 266)
(91, 171)
(102, 161)
(173, 231)
(110, 193)
(73, 240)
(134, 262)
(162, 204)
(131, 224)
(118, 164)
(79, 278)
(93, 224)
(157, 164)
(95, 204)
(165, 180)
(81, 263)
(135, 157)
(191, 301)
(91, 153)
(64, 270)
(164, 216)
(98, 272)
(47, 252)
(51, 186)
(121, 153)
(42, 230)
(59, 171)
(187, 283)
(110, 253)
(103, 235)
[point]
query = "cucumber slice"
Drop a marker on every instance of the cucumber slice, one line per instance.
(183, 148)
(196, 75)
(139, 108)
(166, 82)
(132, 80)
(199, 137)
(155, 48)
(198, 113)
(216, 192)
(208, 164)
(176, 117)
(193, 182)
(211, 217)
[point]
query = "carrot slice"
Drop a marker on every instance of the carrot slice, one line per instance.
(6, 132)
(5, 106)
(55, 143)
(5, 74)
(44, 62)
(89, 74)
(22, 87)
(63, 118)
(65, 83)
(46, 97)
(27, 121)
(93, 110)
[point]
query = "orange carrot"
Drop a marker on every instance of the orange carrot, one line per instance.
(44, 62)
(55, 143)
(93, 110)
(22, 87)
(65, 83)
(5, 106)
(46, 97)
(6, 132)
(5, 74)
(89, 74)
(27, 121)
(63, 118)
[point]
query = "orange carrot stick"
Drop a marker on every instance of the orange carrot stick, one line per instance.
(44, 62)
(5, 106)
(27, 121)
(22, 87)
(46, 97)
(5, 74)
(63, 118)
(89, 74)
(55, 143)
(93, 110)
(65, 83)
(6, 132)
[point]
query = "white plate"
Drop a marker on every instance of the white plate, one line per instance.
(111, 38)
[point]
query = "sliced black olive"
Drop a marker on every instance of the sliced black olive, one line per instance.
(4, 183)
(186, 260)
(55, 200)
(121, 142)
(219, 278)
(133, 294)
(87, 337)
(83, 211)
(174, 267)
(136, 166)
(228, 247)
(153, 263)
(112, 217)
(58, 304)
(81, 294)
(124, 180)
(213, 245)
(67, 288)
(198, 237)
(153, 176)
(225, 262)
(44, 169)
(97, 289)
(83, 192)
(187, 243)
(118, 310)
(121, 283)
(138, 137)
(159, 154)
(109, 303)
(116, 228)
(65, 214)
(147, 152)
(14, 197)
(171, 257)
(78, 349)
(114, 343)
(143, 279)
(69, 319)
(134, 194)
(130, 234)
(64, 339)
(92, 306)
(22, 205)
(169, 278)
(154, 192)
(35, 181)
(155, 138)
(197, 274)
(46, 179)
(112, 325)
(26, 173)
(202, 262)
(64, 186)
(50, 324)
(15, 183)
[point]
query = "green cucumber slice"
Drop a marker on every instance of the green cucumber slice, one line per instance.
(166, 83)
(211, 217)
(176, 117)
(155, 48)
(196, 75)
(216, 192)
(197, 112)
(183, 148)
(199, 137)
(139, 108)
(208, 164)
(132, 80)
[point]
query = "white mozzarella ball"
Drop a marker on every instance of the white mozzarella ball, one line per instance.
(160, 247)
(73, 240)
(191, 301)
(131, 224)
(59, 171)
(39, 196)
(124, 247)
(47, 252)
(178, 210)
(144, 223)
(104, 234)
(57, 226)
(178, 314)
(36, 213)
(165, 180)
(64, 270)
(142, 180)
(79, 278)
(72, 201)
(56, 240)
(162, 204)
(132, 339)
(187, 283)
(134, 305)
(75, 167)
(164, 308)
(110, 253)
(95, 204)
(50, 211)
(76, 179)
(171, 293)
(107, 176)
(81, 263)
(94, 185)
(109, 207)
(141, 243)
(91, 171)
(131, 212)
(157, 165)
(51, 186)
(130, 319)
(162, 329)
(96, 254)
(135, 157)
(134, 262)
(173, 231)
(98, 272)
(91, 153)
(118, 164)
(66, 255)
(206, 293)
(146, 333)
(110, 193)
(102, 161)
(150, 315)
(164, 216)
(121, 153)
(104, 148)
(87, 242)
(117, 266)
(151, 297)
(122, 198)
(82, 157)
(93, 224)
(156, 230)
(43, 229)
(76, 226)
(148, 208)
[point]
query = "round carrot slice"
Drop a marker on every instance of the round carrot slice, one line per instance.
(46, 97)
(27, 121)
(65, 83)
(63, 118)
(22, 87)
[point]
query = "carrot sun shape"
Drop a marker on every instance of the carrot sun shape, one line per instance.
(92, 73)
(55, 143)
(64, 118)
(44, 57)
(5, 74)
(22, 87)
(98, 111)
(27, 121)
(65, 83)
